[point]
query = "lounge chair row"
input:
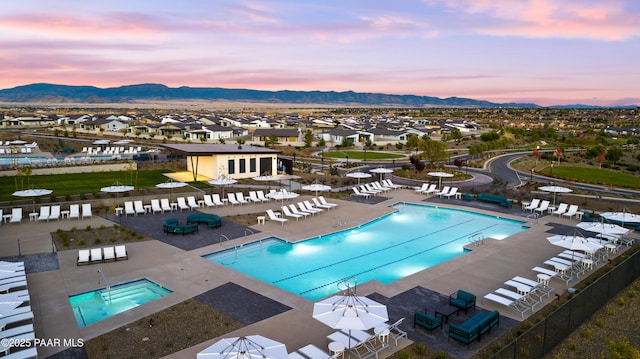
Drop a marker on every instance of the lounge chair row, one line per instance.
(431, 189)
(49, 212)
(16, 324)
(102, 255)
(542, 206)
(522, 294)
(304, 209)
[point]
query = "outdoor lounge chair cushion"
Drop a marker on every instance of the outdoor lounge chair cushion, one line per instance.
(426, 321)
(83, 257)
(121, 252)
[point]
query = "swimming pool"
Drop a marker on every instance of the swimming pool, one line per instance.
(94, 306)
(412, 239)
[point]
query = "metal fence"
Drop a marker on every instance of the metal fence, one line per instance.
(540, 339)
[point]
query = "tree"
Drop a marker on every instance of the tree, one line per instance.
(308, 138)
(346, 142)
(412, 142)
(434, 151)
(417, 164)
(489, 136)
(456, 134)
(321, 142)
(614, 154)
(601, 158)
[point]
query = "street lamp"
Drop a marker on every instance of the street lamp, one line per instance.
(365, 154)
(347, 156)
(394, 164)
(533, 169)
(322, 161)
(551, 168)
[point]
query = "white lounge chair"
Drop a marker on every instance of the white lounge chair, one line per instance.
(16, 215)
(232, 198)
(311, 208)
(87, 212)
(379, 187)
(262, 197)
(45, 212)
(208, 201)
(422, 188)
(571, 212)
(369, 188)
(358, 193)
(253, 197)
(240, 198)
(74, 211)
(128, 208)
(533, 205)
(121, 252)
(96, 255)
(55, 212)
(216, 199)
(324, 201)
(543, 207)
(108, 254)
(395, 332)
(444, 191)
(317, 203)
(182, 204)
(191, 202)
(390, 184)
(155, 206)
(518, 307)
(562, 208)
(84, 257)
(287, 213)
(452, 192)
(299, 210)
(164, 204)
(272, 217)
(139, 207)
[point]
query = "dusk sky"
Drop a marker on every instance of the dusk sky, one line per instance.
(547, 52)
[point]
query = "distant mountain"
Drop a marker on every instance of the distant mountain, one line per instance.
(51, 93)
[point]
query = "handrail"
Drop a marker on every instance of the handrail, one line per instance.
(107, 282)
(533, 218)
(248, 230)
(220, 240)
(476, 238)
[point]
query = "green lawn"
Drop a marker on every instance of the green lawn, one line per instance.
(594, 175)
(360, 155)
(81, 183)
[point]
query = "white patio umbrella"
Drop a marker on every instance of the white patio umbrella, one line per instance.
(171, 184)
(574, 242)
(554, 190)
(603, 228)
(251, 346)
(101, 142)
(33, 192)
(223, 181)
(622, 217)
(282, 195)
(117, 187)
(358, 175)
(381, 171)
(266, 178)
(440, 175)
(317, 187)
(9, 302)
(350, 312)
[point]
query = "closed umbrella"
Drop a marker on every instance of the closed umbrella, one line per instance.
(248, 347)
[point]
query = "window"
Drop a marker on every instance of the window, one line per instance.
(243, 165)
(232, 167)
(252, 165)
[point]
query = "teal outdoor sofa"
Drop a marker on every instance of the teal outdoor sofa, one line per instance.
(491, 198)
(474, 327)
(426, 321)
(212, 220)
(172, 225)
(462, 300)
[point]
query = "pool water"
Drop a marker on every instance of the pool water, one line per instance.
(410, 240)
(94, 306)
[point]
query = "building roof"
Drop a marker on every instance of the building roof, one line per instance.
(216, 149)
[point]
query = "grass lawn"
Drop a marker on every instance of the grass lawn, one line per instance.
(360, 155)
(78, 183)
(593, 175)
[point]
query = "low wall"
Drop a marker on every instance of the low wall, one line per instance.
(102, 167)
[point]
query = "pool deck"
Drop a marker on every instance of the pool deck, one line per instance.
(188, 275)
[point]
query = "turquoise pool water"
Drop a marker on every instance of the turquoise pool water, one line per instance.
(408, 241)
(94, 306)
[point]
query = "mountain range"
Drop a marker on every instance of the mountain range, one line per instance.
(52, 93)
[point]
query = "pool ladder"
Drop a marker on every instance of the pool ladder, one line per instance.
(533, 218)
(247, 230)
(339, 222)
(222, 236)
(477, 239)
(107, 282)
